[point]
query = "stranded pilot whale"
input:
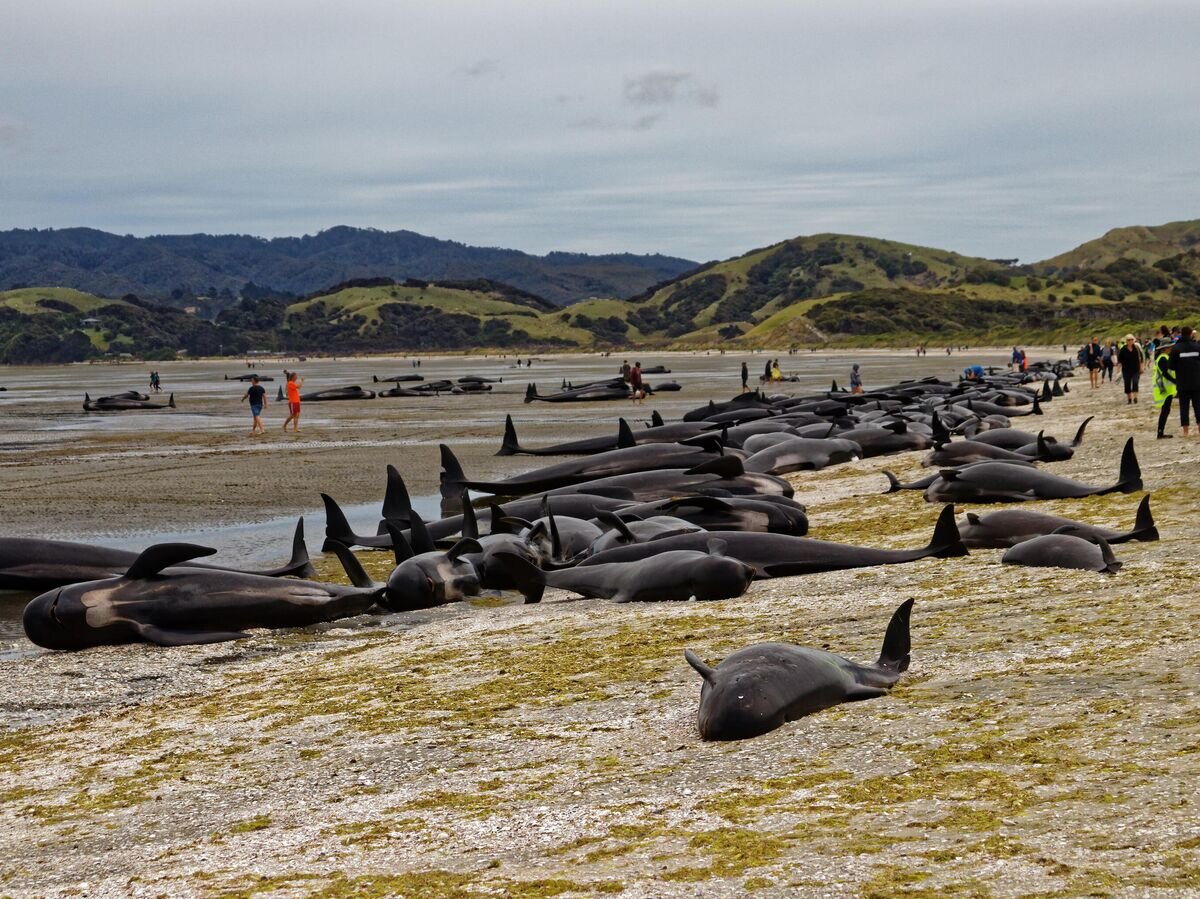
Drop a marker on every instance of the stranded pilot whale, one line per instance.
(1009, 527)
(27, 563)
(667, 576)
(762, 687)
(159, 600)
(1064, 549)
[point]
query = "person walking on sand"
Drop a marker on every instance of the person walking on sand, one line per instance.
(635, 383)
(257, 396)
(1108, 360)
(294, 383)
(766, 376)
(855, 379)
(626, 368)
(1185, 362)
(745, 378)
(1132, 363)
(1092, 359)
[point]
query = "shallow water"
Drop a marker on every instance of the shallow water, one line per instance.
(41, 413)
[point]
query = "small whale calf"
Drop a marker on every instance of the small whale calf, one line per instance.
(1064, 549)
(762, 687)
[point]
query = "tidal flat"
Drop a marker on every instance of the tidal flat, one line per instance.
(1046, 740)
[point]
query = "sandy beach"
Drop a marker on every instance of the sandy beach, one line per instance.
(1046, 739)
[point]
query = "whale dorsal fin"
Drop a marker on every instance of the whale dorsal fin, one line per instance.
(625, 438)
(165, 555)
(709, 674)
(401, 549)
(470, 525)
(614, 521)
(656, 420)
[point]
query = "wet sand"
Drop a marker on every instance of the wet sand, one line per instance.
(1046, 739)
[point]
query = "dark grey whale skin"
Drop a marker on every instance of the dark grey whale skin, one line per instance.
(160, 601)
(991, 482)
(1008, 527)
(1063, 550)
(28, 563)
(779, 555)
(762, 687)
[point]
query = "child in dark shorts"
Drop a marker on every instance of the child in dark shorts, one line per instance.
(258, 400)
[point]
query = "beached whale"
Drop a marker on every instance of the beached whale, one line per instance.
(678, 432)
(397, 378)
(249, 378)
(1064, 549)
(672, 576)
(123, 404)
(778, 555)
(27, 563)
(163, 600)
(594, 393)
(627, 460)
(1008, 527)
(996, 482)
(353, 392)
(762, 687)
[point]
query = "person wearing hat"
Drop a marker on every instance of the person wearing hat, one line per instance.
(1130, 358)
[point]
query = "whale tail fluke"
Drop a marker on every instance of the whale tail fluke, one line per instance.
(1037, 406)
(1144, 528)
(946, 542)
(896, 642)
(528, 578)
(531, 393)
(453, 478)
(1058, 390)
(374, 379)
(1129, 479)
(509, 446)
(337, 527)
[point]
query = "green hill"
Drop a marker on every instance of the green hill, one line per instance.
(1144, 244)
(824, 289)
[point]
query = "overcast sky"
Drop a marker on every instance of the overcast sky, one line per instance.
(695, 129)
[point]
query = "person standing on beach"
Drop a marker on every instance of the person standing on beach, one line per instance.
(625, 371)
(257, 396)
(1185, 362)
(635, 383)
(745, 378)
(294, 383)
(855, 379)
(1164, 383)
(1132, 362)
(1092, 358)
(1108, 358)
(767, 371)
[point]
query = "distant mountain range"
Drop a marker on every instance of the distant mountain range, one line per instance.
(179, 268)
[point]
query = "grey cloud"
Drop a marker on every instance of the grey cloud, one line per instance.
(664, 87)
(481, 68)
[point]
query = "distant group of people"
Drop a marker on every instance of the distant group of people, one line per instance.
(155, 382)
(1173, 355)
(256, 395)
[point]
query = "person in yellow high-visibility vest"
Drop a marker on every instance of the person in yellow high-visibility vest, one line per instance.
(1164, 386)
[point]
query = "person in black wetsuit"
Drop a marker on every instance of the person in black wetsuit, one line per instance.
(745, 378)
(1185, 360)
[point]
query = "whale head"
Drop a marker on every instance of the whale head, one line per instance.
(77, 616)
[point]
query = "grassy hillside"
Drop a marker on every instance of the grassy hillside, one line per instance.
(1144, 244)
(826, 289)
